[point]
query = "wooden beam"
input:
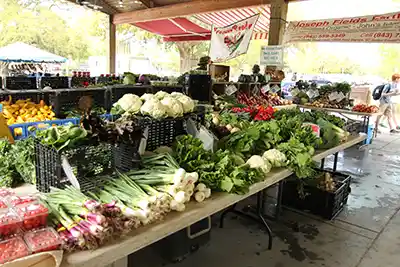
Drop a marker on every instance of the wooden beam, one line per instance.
(112, 51)
(277, 25)
(108, 9)
(184, 9)
(147, 3)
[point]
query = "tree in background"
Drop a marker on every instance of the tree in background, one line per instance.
(41, 27)
(390, 63)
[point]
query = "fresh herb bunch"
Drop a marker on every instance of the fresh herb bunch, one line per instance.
(220, 171)
(23, 153)
(299, 157)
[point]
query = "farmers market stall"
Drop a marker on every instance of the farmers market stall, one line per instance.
(175, 222)
(366, 117)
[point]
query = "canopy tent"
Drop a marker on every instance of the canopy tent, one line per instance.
(174, 29)
(183, 29)
(21, 52)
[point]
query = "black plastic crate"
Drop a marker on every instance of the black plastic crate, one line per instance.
(317, 201)
(20, 83)
(178, 245)
(168, 89)
(66, 100)
(33, 95)
(162, 132)
(118, 91)
(89, 163)
(79, 82)
(54, 82)
(126, 156)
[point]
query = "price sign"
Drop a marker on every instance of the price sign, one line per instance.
(143, 141)
(272, 55)
(230, 89)
(69, 172)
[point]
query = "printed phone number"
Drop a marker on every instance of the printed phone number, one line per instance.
(387, 35)
(333, 35)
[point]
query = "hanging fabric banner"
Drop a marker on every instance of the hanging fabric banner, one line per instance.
(383, 28)
(233, 40)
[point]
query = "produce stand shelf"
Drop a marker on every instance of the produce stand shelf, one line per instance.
(194, 212)
(340, 111)
(366, 116)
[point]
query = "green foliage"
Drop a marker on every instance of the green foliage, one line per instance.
(41, 27)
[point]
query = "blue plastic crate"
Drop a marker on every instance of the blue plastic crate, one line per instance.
(29, 128)
(370, 135)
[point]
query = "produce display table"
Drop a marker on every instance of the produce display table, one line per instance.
(174, 222)
(366, 116)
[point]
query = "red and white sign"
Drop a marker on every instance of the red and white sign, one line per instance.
(367, 29)
(233, 40)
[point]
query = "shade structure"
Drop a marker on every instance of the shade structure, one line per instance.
(21, 52)
(228, 17)
(183, 29)
(176, 29)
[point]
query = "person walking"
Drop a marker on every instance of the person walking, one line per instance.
(389, 91)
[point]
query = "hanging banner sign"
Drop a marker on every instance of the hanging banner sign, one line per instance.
(366, 29)
(272, 55)
(233, 40)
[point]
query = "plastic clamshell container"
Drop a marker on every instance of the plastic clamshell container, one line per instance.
(3, 203)
(15, 200)
(4, 192)
(34, 215)
(41, 240)
(10, 222)
(13, 248)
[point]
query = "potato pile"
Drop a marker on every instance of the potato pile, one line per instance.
(327, 183)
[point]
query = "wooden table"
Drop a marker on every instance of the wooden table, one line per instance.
(147, 235)
(366, 116)
(341, 111)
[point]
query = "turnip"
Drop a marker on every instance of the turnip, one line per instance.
(199, 196)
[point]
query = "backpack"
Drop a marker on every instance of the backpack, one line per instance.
(377, 93)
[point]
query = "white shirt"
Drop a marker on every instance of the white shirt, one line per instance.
(395, 88)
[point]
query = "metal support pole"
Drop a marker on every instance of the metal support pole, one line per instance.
(335, 161)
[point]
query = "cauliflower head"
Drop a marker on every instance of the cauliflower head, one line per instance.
(129, 103)
(174, 107)
(161, 94)
(147, 97)
(187, 103)
(154, 108)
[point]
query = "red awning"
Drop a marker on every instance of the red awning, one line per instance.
(177, 29)
(182, 29)
(228, 17)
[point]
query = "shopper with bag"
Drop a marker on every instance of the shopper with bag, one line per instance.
(385, 94)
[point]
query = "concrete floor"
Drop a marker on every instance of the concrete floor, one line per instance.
(365, 234)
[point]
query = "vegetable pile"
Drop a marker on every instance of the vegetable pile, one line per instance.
(158, 106)
(365, 108)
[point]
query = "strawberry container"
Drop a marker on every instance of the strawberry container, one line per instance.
(14, 201)
(41, 240)
(12, 249)
(3, 204)
(10, 222)
(4, 192)
(33, 215)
